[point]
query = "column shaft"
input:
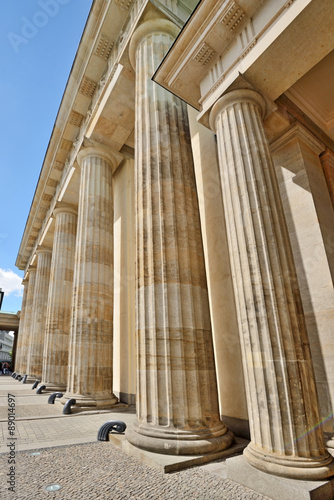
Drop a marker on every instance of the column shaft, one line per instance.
(282, 399)
(58, 322)
(22, 331)
(90, 357)
(38, 322)
(177, 404)
(25, 349)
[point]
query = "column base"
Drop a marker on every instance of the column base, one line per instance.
(290, 466)
(90, 400)
(276, 488)
(32, 378)
(172, 441)
(50, 387)
(330, 443)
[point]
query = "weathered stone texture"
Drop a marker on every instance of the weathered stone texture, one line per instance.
(39, 307)
(281, 391)
(55, 360)
(90, 354)
(177, 405)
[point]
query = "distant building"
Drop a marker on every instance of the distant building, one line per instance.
(6, 346)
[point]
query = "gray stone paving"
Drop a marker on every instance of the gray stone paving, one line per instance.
(99, 470)
(94, 470)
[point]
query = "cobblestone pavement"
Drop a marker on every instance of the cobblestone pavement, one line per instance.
(94, 470)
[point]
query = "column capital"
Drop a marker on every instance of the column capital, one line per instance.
(41, 250)
(25, 281)
(234, 97)
(64, 208)
(157, 25)
(113, 158)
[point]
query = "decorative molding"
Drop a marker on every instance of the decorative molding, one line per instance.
(87, 87)
(47, 197)
(232, 15)
(52, 183)
(248, 48)
(204, 55)
(59, 165)
(104, 47)
(66, 145)
(125, 4)
(246, 35)
(109, 51)
(76, 118)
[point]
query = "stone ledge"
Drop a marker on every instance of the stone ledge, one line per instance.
(172, 463)
(274, 487)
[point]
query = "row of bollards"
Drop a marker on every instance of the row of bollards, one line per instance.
(39, 390)
(104, 431)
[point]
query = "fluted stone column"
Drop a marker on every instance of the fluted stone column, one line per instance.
(38, 323)
(283, 409)
(55, 360)
(177, 404)
(90, 357)
(25, 349)
(22, 331)
(327, 161)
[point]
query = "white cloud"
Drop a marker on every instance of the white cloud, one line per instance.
(11, 282)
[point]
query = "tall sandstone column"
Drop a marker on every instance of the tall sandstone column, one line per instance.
(177, 405)
(90, 356)
(55, 361)
(22, 332)
(25, 349)
(283, 409)
(38, 322)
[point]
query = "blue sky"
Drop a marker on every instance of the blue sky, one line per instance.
(38, 43)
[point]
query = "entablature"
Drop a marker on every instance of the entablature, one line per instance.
(97, 107)
(265, 41)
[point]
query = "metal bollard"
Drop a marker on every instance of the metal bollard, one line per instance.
(67, 406)
(53, 396)
(112, 425)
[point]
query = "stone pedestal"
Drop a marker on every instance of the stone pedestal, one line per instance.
(24, 356)
(277, 488)
(282, 399)
(90, 355)
(58, 321)
(22, 332)
(39, 307)
(177, 405)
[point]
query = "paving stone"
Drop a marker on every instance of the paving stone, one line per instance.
(96, 470)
